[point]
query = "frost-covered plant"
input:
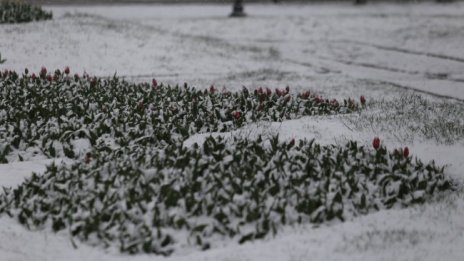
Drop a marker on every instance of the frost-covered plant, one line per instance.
(144, 199)
(18, 11)
(414, 116)
(49, 111)
(139, 188)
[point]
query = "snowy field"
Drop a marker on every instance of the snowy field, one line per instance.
(408, 60)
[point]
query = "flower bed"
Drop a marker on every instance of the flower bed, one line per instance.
(153, 200)
(17, 11)
(45, 113)
(140, 189)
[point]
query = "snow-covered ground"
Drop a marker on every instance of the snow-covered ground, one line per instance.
(389, 53)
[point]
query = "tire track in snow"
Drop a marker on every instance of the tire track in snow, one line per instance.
(401, 86)
(433, 76)
(406, 51)
(387, 82)
(317, 69)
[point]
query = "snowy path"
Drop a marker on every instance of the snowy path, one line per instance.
(335, 50)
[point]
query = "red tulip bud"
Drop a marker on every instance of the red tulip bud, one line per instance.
(363, 100)
(268, 92)
(212, 89)
(406, 152)
(292, 142)
(43, 72)
(278, 92)
(49, 78)
(237, 115)
(33, 77)
(66, 70)
(305, 94)
(376, 143)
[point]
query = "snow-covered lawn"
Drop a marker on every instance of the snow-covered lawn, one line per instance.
(408, 61)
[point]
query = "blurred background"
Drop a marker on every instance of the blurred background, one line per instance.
(216, 1)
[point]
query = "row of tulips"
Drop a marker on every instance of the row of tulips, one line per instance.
(143, 199)
(18, 11)
(49, 111)
(138, 188)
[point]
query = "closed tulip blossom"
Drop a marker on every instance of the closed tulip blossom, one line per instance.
(363, 100)
(376, 143)
(43, 72)
(406, 152)
(237, 115)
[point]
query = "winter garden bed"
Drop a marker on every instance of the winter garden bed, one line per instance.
(18, 11)
(138, 188)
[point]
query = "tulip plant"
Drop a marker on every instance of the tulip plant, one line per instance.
(140, 189)
(18, 11)
(48, 111)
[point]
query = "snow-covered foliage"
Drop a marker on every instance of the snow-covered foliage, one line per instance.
(144, 199)
(47, 113)
(18, 11)
(139, 188)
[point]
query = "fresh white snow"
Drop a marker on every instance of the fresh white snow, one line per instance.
(382, 51)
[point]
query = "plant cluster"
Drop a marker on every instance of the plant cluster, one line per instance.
(49, 111)
(17, 11)
(414, 116)
(140, 189)
(144, 199)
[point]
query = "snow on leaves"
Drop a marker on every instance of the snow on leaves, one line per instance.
(143, 199)
(52, 110)
(138, 188)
